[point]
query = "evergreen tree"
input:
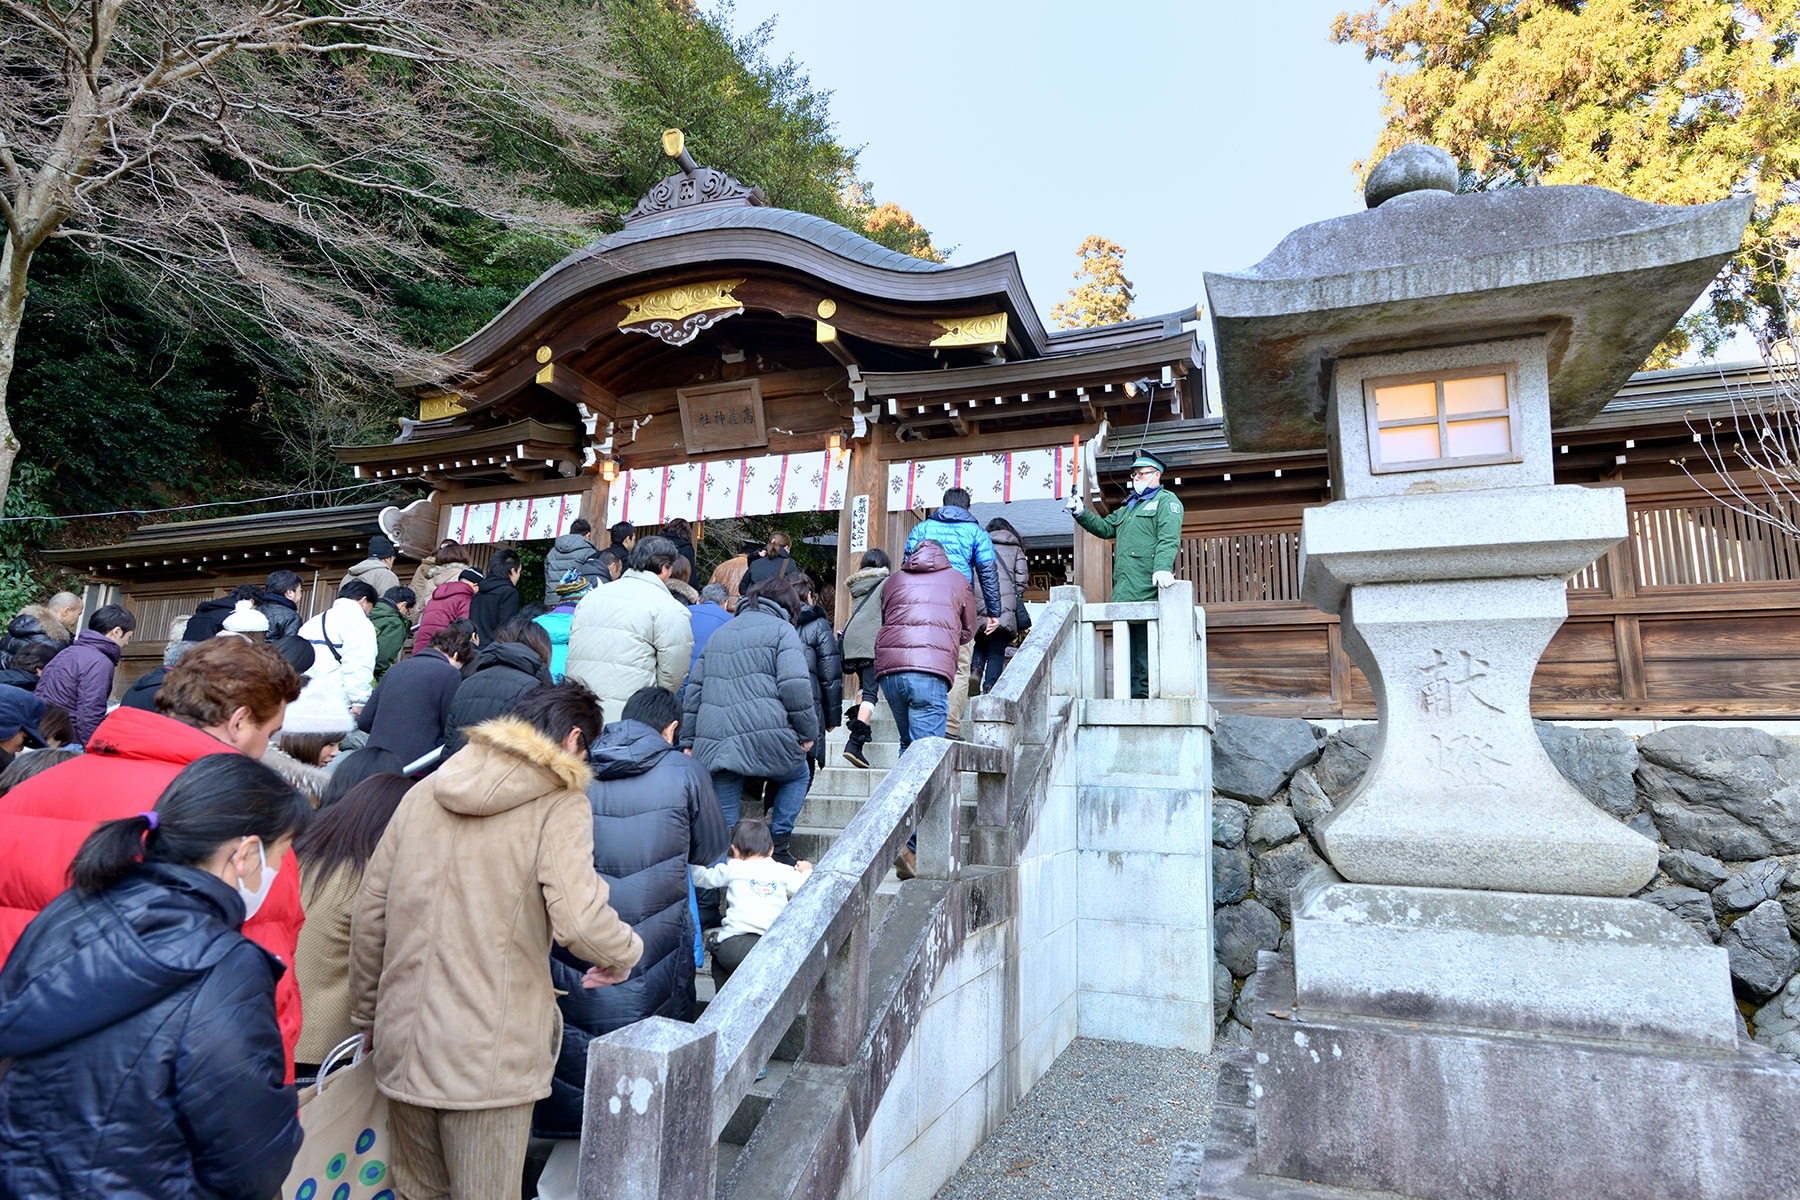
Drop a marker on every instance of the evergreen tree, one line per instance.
(1679, 102)
(1101, 295)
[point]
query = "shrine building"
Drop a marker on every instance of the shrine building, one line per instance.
(717, 357)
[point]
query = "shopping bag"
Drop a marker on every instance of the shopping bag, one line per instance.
(346, 1152)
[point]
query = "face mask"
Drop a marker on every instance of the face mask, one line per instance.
(253, 900)
(1142, 486)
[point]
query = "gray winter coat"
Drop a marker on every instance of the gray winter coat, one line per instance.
(750, 702)
(570, 552)
(865, 614)
(1014, 576)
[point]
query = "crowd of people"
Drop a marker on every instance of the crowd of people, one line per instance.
(472, 831)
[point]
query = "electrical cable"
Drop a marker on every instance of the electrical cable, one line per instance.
(151, 512)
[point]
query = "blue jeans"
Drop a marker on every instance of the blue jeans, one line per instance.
(790, 795)
(920, 703)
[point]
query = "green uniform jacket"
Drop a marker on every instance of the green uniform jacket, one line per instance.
(391, 630)
(1148, 533)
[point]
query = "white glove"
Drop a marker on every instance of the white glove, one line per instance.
(1163, 579)
(1073, 505)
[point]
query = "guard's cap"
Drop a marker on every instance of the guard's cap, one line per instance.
(1146, 459)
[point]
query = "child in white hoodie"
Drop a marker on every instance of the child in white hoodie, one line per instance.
(756, 887)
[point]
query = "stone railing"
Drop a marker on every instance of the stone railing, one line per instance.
(660, 1093)
(1172, 624)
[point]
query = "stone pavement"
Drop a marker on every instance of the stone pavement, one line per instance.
(1100, 1125)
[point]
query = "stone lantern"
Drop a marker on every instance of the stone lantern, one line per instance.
(1471, 992)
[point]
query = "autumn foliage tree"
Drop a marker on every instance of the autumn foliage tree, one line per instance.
(1101, 295)
(268, 166)
(1678, 102)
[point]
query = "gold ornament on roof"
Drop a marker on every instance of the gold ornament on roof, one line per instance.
(827, 309)
(676, 315)
(436, 408)
(989, 330)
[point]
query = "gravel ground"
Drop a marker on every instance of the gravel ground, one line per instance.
(1102, 1123)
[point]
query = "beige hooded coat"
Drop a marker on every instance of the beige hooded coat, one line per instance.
(484, 865)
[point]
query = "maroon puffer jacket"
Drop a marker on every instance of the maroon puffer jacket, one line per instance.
(927, 611)
(449, 602)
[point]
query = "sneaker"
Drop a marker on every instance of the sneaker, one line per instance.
(907, 865)
(762, 1074)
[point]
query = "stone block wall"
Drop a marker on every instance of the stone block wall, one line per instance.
(1722, 802)
(1143, 864)
(1001, 1013)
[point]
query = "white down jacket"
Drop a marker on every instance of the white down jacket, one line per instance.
(627, 635)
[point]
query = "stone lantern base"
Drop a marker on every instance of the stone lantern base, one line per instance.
(1329, 1106)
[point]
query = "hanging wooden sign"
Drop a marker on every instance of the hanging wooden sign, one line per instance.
(722, 416)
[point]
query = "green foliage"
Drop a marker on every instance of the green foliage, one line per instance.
(1679, 102)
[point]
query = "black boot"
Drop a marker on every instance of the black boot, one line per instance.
(782, 853)
(860, 733)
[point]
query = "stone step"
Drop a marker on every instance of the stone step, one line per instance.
(831, 812)
(844, 781)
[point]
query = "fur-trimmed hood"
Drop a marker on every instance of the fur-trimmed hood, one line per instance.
(507, 763)
(863, 582)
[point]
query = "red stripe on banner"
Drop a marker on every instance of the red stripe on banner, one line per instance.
(1006, 484)
(700, 504)
(528, 506)
(462, 531)
(662, 503)
(743, 482)
(781, 485)
(825, 481)
(1059, 473)
(912, 471)
(562, 510)
(957, 474)
(625, 508)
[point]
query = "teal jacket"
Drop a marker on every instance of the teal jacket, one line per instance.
(556, 623)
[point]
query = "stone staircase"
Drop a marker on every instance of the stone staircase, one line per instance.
(837, 795)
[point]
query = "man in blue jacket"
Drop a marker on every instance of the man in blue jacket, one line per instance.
(971, 552)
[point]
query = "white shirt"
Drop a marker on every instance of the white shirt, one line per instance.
(756, 890)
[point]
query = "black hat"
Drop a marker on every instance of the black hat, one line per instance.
(1146, 459)
(380, 547)
(20, 709)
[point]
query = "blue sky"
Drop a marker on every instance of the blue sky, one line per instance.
(1193, 134)
(1196, 135)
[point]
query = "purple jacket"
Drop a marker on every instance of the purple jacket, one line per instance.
(927, 611)
(79, 681)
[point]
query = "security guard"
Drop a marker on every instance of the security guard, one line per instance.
(1148, 534)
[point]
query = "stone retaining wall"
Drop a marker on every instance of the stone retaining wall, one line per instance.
(1722, 802)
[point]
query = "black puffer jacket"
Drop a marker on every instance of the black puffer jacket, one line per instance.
(34, 624)
(504, 674)
(654, 813)
(147, 1061)
(143, 689)
(14, 677)
(208, 619)
(762, 568)
(283, 617)
(749, 702)
(825, 662)
(496, 602)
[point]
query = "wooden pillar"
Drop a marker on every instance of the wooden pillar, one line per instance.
(867, 477)
(1093, 566)
(596, 507)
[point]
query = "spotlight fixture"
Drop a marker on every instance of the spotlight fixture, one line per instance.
(1139, 387)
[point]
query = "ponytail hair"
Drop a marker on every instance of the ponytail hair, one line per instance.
(215, 800)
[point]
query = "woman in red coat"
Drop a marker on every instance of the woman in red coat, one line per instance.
(449, 602)
(226, 695)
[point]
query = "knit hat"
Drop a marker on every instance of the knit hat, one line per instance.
(246, 619)
(571, 585)
(320, 709)
(380, 547)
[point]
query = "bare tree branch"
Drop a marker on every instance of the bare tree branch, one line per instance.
(273, 162)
